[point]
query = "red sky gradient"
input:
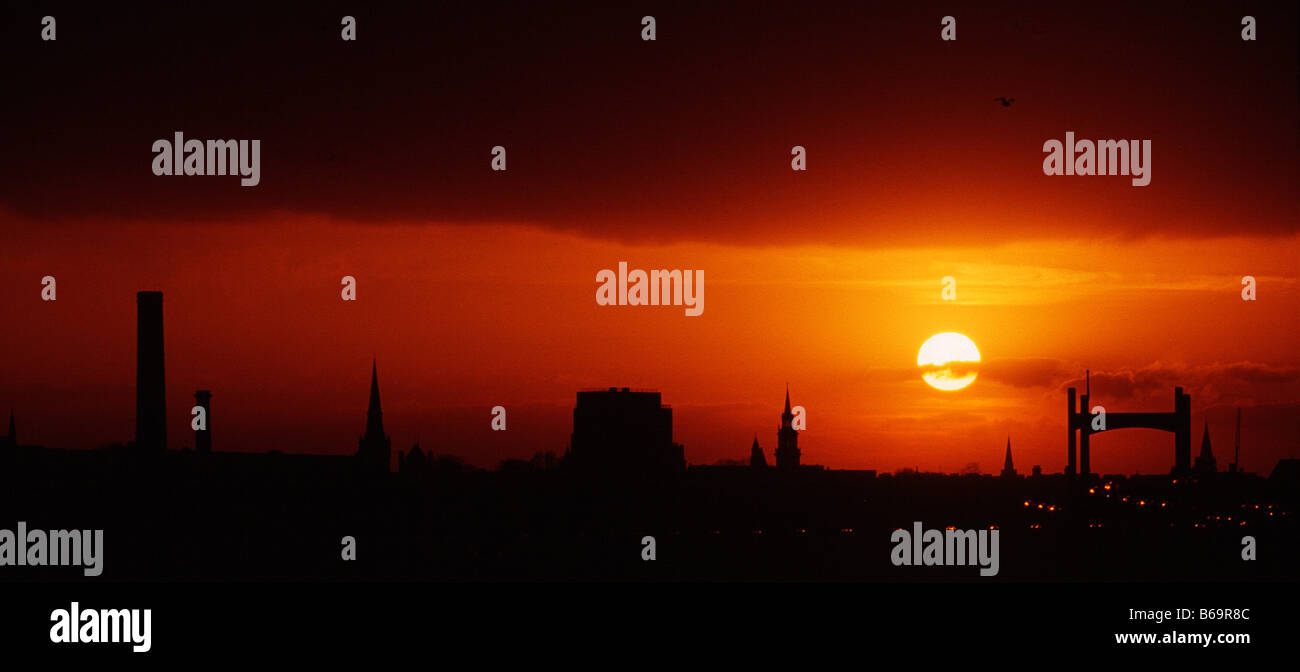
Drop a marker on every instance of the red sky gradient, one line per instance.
(465, 318)
(477, 288)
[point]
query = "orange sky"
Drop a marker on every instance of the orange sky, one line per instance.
(465, 318)
(477, 288)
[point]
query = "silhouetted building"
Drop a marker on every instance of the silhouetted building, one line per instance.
(787, 438)
(374, 449)
(1286, 471)
(415, 463)
(1080, 420)
(1008, 469)
(1205, 461)
(150, 385)
(9, 446)
(620, 431)
(1037, 471)
(756, 458)
(203, 437)
(544, 461)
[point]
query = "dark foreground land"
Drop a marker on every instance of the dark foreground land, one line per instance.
(185, 516)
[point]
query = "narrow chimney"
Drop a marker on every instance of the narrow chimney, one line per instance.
(150, 385)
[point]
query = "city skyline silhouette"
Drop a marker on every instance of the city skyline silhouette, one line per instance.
(629, 423)
(690, 328)
(475, 287)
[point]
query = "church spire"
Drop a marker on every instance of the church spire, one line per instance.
(1205, 461)
(1008, 469)
(374, 414)
(756, 458)
(787, 438)
(374, 447)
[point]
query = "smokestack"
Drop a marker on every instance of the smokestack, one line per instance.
(150, 386)
(203, 437)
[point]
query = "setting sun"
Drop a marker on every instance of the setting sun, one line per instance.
(948, 361)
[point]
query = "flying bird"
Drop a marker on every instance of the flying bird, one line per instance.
(1006, 102)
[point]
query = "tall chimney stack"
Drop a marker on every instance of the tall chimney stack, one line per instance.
(150, 386)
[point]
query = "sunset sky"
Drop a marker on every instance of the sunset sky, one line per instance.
(477, 288)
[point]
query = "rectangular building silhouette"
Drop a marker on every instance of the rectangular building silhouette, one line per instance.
(620, 431)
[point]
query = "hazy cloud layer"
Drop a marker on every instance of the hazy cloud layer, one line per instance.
(684, 138)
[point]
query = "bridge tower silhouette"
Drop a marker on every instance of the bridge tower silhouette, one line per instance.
(1080, 419)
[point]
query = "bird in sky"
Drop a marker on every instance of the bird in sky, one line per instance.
(1006, 102)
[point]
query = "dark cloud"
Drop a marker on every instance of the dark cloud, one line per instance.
(1025, 372)
(1239, 383)
(687, 137)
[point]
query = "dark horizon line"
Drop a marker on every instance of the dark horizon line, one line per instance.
(130, 448)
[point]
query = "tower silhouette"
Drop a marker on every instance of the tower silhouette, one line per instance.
(1205, 461)
(374, 447)
(756, 458)
(150, 384)
(1008, 469)
(787, 439)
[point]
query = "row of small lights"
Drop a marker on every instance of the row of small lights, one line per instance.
(1027, 503)
(1045, 507)
(1141, 502)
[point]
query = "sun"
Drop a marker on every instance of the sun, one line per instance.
(948, 361)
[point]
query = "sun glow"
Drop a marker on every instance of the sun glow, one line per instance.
(948, 361)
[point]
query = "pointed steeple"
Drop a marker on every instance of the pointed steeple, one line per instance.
(374, 414)
(1205, 461)
(374, 446)
(786, 454)
(756, 458)
(1008, 469)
